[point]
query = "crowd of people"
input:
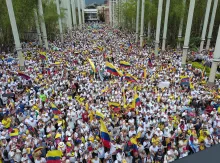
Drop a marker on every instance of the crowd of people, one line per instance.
(52, 110)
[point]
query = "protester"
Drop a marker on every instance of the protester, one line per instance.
(152, 109)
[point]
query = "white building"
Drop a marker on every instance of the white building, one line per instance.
(91, 15)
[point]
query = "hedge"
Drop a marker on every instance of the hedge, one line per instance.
(201, 67)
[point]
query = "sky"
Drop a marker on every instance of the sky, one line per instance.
(92, 1)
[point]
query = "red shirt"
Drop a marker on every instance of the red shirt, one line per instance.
(85, 117)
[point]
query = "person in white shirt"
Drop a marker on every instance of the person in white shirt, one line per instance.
(108, 157)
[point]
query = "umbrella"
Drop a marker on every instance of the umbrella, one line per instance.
(38, 149)
(9, 60)
(8, 95)
(24, 76)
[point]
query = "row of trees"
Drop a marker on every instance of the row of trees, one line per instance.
(177, 11)
(24, 15)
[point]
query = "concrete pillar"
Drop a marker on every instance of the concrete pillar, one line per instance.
(209, 2)
(110, 12)
(43, 26)
(83, 7)
(165, 24)
(59, 21)
(113, 13)
(159, 14)
(211, 25)
(37, 27)
(149, 27)
(79, 14)
(70, 23)
(15, 34)
(142, 23)
(188, 32)
(73, 5)
(181, 25)
(137, 20)
(216, 60)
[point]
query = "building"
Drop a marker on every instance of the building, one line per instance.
(91, 15)
(104, 9)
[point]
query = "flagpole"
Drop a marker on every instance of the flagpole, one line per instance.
(159, 14)
(15, 34)
(188, 31)
(211, 24)
(209, 2)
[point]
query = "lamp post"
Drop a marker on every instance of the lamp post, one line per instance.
(83, 16)
(188, 32)
(15, 34)
(73, 5)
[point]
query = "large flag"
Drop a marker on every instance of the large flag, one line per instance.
(105, 137)
(99, 115)
(125, 64)
(54, 156)
(24, 75)
(92, 65)
(130, 78)
(112, 69)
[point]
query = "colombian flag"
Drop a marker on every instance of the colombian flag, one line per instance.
(113, 104)
(99, 115)
(14, 133)
(54, 156)
(130, 78)
(54, 109)
(112, 69)
(105, 137)
(92, 65)
(125, 64)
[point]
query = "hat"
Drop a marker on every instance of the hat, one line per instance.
(61, 144)
(18, 151)
(24, 151)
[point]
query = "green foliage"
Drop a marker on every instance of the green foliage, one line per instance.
(176, 12)
(201, 67)
(24, 15)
